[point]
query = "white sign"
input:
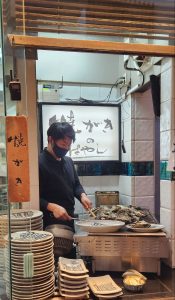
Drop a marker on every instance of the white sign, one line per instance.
(96, 128)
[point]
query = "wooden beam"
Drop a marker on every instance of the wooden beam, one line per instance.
(102, 7)
(89, 46)
(104, 21)
(154, 3)
(87, 21)
(98, 30)
(57, 10)
(97, 33)
(117, 27)
(89, 13)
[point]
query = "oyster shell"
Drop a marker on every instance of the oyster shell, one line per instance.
(141, 224)
(128, 214)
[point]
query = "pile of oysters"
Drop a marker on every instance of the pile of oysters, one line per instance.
(128, 214)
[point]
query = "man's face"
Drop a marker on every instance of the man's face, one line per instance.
(64, 143)
(59, 148)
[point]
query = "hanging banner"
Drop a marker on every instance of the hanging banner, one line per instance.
(17, 159)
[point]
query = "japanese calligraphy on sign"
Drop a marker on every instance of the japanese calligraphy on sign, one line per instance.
(17, 159)
(96, 128)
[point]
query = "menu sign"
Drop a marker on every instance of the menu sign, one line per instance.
(17, 159)
(96, 128)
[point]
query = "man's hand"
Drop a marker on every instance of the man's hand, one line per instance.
(59, 212)
(86, 202)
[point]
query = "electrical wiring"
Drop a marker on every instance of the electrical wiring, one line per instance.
(118, 81)
(84, 100)
(134, 69)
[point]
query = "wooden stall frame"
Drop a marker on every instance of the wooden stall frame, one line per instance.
(89, 46)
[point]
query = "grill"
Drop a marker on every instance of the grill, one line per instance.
(123, 250)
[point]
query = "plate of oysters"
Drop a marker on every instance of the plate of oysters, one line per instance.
(143, 226)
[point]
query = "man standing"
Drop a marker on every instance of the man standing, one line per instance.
(58, 181)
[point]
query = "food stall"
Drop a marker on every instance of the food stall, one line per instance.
(114, 245)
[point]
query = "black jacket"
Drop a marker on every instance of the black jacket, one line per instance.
(58, 183)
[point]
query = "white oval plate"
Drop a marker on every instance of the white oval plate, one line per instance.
(100, 225)
(152, 228)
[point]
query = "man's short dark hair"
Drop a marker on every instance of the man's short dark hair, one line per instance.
(59, 130)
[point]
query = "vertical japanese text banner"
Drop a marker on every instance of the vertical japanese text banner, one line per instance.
(17, 159)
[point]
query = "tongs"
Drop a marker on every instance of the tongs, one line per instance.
(91, 213)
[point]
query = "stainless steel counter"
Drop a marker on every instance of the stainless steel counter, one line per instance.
(123, 250)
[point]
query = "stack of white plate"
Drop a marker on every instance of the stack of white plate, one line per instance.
(26, 220)
(2, 264)
(3, 229)
(22, 220)
(72, 278)
(2, 269)
(32, 265)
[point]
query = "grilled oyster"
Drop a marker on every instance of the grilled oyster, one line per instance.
(128, 214)
(140, 224)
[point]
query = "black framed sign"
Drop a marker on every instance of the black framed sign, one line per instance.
(97, 129)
